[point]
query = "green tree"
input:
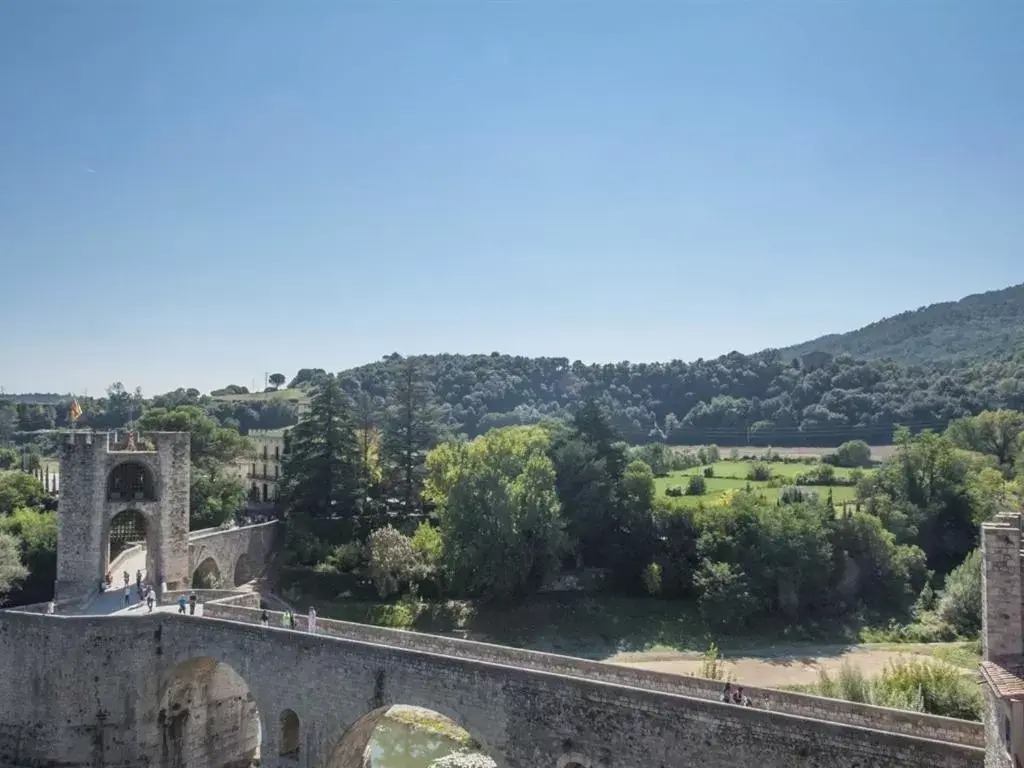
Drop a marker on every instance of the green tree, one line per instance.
(852, 453)
(412, 426)
(320, 469)
(9, 459)
(960, 603)
(995, 433)
(11, 569)
(216, 492)
(277, 380)
(499, 513)
(18, 489)
(36, 532)
(392, 560)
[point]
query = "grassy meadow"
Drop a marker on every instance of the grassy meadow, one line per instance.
(732, 475)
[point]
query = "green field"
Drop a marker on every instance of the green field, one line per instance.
(296, 395)
(732, 475)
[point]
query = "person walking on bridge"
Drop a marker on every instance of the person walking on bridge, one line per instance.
(312, 620)
(182, 602)
(127, 596)
(192, 599)
(150, 598)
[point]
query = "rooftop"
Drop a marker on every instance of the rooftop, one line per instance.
(1005, 677)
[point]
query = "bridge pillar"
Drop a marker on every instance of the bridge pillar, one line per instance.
(99, 479)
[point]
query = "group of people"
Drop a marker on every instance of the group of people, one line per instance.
(145, 591)
(735, 695)
(288, 620)
(190, 601)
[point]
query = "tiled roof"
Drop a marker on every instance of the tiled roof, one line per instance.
(1006, 677)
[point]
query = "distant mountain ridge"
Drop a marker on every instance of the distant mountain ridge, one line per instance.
(983, 325)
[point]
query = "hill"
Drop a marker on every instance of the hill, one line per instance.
(763, 399)
(981, 326)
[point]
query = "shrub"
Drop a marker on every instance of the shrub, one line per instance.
(934, 687)
(696, 486)
(960, 604)
(652, 579)
(723, 595)
(791, 494)
(713, 666)
(427, 543)
(392, 560)
(709, 471)
(346, 557)
(674, 490)
(759, 472)
(853, 453)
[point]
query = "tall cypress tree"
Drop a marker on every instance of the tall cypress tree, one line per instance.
(412, 426)
(321, 468)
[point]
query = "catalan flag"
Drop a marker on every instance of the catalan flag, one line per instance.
(75, 411)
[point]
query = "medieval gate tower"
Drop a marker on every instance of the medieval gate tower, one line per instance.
(101, 478)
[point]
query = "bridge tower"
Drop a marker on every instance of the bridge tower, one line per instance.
(103, 478)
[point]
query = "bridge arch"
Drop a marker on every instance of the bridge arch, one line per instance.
(574, 761)
(243, 570)
(207, 575)
(208, 717)
(351, 747)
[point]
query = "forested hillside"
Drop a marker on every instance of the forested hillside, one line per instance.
(976, 327)
(763, 399)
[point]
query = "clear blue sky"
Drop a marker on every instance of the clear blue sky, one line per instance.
(195, 193)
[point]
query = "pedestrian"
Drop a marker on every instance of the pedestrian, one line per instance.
(284, 619)
(150, 599)
(291, 620)
(127, 595)
(727, 694)
(138, 579)
(51, 608)
(312, 620)
(264, 619)
(192, 604)
(182, 602)
(127, 578)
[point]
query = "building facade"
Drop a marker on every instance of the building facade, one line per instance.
(262, 472)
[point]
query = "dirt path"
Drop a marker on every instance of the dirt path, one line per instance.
(776, 669)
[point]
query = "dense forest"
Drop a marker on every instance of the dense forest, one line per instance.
(920, 370)
(762, 399)
(976, 327)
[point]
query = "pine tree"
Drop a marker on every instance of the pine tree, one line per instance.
(321, 468)
(412, 426)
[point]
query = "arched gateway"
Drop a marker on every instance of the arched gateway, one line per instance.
(112, 493)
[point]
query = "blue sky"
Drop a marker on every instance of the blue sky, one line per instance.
(195, 193)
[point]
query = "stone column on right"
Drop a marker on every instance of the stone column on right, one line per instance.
(1002, 630)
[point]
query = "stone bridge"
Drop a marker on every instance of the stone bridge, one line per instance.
(235, 555)
(187, 692)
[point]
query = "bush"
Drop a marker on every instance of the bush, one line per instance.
(853, 453)
(346, 557)
(392, 560)
(652, 579)
(674, 490)
(960, 604)
(919, 685)
(709, 471)
(427, 543)
(696, 486)
(723, 595)
(791, 494)
(759, 472)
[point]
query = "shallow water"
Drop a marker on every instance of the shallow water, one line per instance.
(398, 745)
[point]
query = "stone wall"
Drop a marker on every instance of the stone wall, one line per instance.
(864, 715)
(86, 702)
(1002, 612)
